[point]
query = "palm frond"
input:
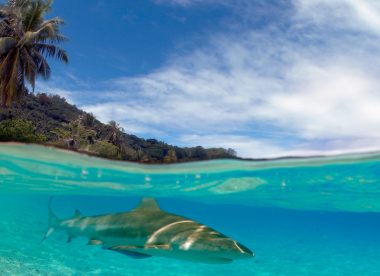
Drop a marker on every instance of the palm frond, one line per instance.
(29, 67)
(43, 67)
(50, 50)
(6, 43)
(47, 31)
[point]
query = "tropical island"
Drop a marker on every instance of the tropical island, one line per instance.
(27, 39)
(50, 120)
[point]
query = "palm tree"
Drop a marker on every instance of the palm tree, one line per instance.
(115, 133)
(26, 40)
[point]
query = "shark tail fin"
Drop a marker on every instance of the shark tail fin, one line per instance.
(52, 220)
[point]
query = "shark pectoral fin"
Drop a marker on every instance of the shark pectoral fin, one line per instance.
(132, 254)
(125, 247)
(94, 242)
(124, 250)
(158, 246)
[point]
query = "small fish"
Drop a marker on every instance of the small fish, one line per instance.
(148, 231)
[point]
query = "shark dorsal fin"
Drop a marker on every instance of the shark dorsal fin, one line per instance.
(148, 203)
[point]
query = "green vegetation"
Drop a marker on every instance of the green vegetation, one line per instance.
(26, 40)
(51, 120)
(105, 149)
(20, 131)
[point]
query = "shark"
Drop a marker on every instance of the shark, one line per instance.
(148, 231)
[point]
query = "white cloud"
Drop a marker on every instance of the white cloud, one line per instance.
(327, 102)
(267, 92)
(249, 147)
(355, 14)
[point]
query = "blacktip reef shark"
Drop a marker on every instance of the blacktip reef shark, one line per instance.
(148, 231)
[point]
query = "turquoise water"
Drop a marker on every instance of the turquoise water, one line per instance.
(312, 216)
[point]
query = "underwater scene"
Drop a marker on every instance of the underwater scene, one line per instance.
(64, 213)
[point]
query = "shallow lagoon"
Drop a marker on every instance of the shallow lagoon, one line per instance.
(317, 216)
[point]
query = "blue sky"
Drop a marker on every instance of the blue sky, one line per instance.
(267, 78)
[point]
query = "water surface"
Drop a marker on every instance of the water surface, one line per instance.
(310, 216)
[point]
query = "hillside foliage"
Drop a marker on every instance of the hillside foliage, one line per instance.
(50, 120)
